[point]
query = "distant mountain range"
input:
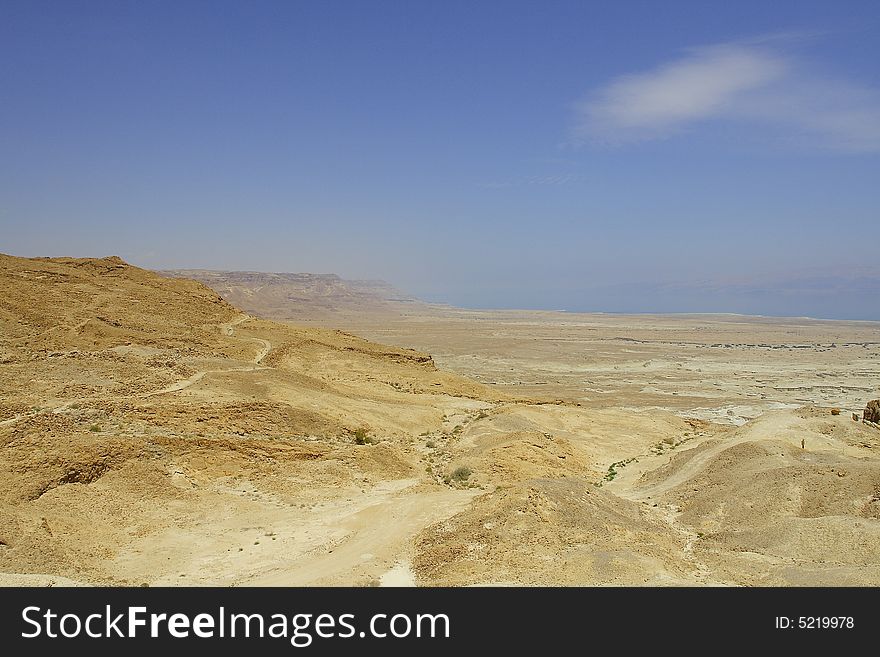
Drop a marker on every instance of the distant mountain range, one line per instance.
(302, 296)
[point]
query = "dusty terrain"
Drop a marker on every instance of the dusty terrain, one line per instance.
(724, 368)
(152, 433)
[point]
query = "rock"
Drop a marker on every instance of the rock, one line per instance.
(835, 411)
(872, 411)
(855, 417)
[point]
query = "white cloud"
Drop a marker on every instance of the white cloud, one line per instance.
(733, 82)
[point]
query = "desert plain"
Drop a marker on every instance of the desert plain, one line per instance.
(242, 429)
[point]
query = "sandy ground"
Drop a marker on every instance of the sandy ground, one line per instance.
(724, 368)
(152, 434)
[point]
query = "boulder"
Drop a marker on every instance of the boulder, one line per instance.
(872, 411)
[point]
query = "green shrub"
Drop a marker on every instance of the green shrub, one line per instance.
(612, 469)
(94, 428)
(461, 473)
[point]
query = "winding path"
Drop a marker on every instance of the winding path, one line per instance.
(379, 530)
(767, 428)
(229, 330)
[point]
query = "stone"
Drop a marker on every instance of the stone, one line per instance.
(872, 411)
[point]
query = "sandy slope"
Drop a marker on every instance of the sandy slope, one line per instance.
(148, 445)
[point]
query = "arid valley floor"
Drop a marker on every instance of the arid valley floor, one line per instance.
(256, 429)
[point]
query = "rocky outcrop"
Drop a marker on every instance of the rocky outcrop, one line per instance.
(872, 411)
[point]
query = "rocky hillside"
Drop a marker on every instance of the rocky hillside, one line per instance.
(131, 402)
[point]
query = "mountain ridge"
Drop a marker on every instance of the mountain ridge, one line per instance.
(300, 296)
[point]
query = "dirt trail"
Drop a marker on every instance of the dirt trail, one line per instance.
(251, 537)
(703, 450)
(770, 426)
(225, 329)
(265, 348)
(379, 535)
(265, 345)
(229, 327)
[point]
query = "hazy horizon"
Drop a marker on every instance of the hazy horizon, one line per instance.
(783, 298)
(560, 156)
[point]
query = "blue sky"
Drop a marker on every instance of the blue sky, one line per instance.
(621, 157)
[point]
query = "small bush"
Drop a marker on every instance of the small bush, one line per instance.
(461, 473)
(612, 469)
(431, 444)
(361, 437)
(94, 428)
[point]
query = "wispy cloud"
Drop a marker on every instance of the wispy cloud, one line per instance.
(754, 81)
